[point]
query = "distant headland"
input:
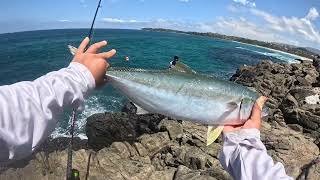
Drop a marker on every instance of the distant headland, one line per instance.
(299, 51)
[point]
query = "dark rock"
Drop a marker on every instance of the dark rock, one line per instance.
(300, 106)
(129, 108)
(105, 128)
(287, 86)
(296, 127)
(146, 123)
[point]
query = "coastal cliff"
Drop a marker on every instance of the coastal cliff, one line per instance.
(124, 145)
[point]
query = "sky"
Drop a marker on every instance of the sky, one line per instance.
(295, 22)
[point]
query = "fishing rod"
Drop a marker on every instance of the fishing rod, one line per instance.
(73, 174)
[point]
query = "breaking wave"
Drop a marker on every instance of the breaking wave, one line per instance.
(93, 105)
(281, 56)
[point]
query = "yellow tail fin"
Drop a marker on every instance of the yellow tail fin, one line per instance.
(212, 135)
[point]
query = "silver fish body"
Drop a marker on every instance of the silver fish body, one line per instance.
(194, 97)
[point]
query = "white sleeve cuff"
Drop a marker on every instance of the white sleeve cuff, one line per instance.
(88, 77)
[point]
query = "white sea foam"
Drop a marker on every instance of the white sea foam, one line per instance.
(278, 55)
(92, 106)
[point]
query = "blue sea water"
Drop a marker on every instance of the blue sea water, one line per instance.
(24, 56)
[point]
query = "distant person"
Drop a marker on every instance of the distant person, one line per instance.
(174, 62)
(127, 58)
(29, 112)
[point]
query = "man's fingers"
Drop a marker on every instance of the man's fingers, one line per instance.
(96, 46)
(107, 55)
(260, 101)
(230, 128)
(83, 45)
(257, 108)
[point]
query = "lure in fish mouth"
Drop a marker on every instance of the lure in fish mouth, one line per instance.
(181, 93)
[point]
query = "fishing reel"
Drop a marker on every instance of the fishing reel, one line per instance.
(74, 175)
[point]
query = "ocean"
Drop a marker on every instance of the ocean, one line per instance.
(25, 56)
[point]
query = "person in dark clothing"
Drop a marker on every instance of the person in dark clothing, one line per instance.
(175, 59)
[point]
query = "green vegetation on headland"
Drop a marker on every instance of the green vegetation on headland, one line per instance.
(300, 51)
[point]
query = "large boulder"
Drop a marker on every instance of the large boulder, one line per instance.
(103, 129)
(302, 106)
(289, 147)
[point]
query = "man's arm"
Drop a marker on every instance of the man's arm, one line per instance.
(244, 156)
(29, 111)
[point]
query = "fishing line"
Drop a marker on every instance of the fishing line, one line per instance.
(73, 174)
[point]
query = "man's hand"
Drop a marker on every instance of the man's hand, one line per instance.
(94, 61)
(255, 119)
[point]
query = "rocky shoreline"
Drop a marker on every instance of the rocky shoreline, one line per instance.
(125, 145)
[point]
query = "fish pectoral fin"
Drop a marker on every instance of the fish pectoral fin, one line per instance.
(232, 106)
(72, 49)
(213, 133)
(140, 110)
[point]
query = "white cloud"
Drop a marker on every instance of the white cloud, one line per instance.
(240, 27)
(301, 28)
(245, 3)
(185, 1)
(266, 27)
(313, 14)
(64, 20)
(116, 20)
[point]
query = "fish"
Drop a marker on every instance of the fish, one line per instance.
(199, 98)
(182, 93)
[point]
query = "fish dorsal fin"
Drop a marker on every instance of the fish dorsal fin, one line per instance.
(72, 49)
(213, 133)
(181, 67)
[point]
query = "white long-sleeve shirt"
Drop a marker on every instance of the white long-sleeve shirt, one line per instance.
(29, 112)
(245, 157)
